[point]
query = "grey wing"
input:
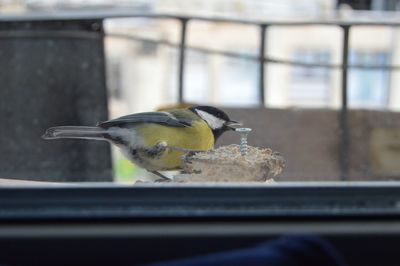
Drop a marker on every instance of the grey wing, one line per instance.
(162, 118)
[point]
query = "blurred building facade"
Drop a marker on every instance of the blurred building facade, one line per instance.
(142, 74)
(145, 73)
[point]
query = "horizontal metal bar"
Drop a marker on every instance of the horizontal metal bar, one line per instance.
(267, 59)
(199, 228)
(77, 34)
(193, 48)
(132, 13)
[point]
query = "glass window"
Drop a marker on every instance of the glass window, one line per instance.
(239, 83)
(369, 88)
(197, 79)
(310, 86)
(86, 68)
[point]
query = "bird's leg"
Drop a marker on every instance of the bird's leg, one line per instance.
(163, 177)
(158, 149)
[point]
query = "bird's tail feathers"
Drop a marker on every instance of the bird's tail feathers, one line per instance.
(75, 132)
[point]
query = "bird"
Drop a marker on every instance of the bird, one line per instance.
(156, 141)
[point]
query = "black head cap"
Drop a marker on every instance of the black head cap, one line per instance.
(218, 120)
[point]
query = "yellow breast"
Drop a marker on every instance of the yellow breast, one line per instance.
(197, 137)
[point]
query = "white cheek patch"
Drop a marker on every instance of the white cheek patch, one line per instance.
(213, 121)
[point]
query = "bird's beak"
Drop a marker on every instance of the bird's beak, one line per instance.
(233, 124)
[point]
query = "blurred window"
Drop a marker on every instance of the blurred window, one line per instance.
(368, 88)
(197, 80)
(238, 85)
(310, 86)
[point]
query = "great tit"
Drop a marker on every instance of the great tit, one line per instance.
(156, 141)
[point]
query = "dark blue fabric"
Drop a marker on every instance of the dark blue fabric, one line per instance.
(285, 251)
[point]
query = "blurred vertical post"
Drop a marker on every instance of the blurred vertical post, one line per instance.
(53, 73)
(263, 33)
(182, 50)
(344, 124)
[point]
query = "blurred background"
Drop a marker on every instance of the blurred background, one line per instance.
(299, 112)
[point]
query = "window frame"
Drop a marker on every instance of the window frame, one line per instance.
(187, 201)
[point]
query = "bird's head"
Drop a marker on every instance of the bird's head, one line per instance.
(217, 120)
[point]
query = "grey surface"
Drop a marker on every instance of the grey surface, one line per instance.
(309, 140)
(51, 77)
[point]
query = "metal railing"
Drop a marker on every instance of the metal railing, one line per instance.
(263, 25)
